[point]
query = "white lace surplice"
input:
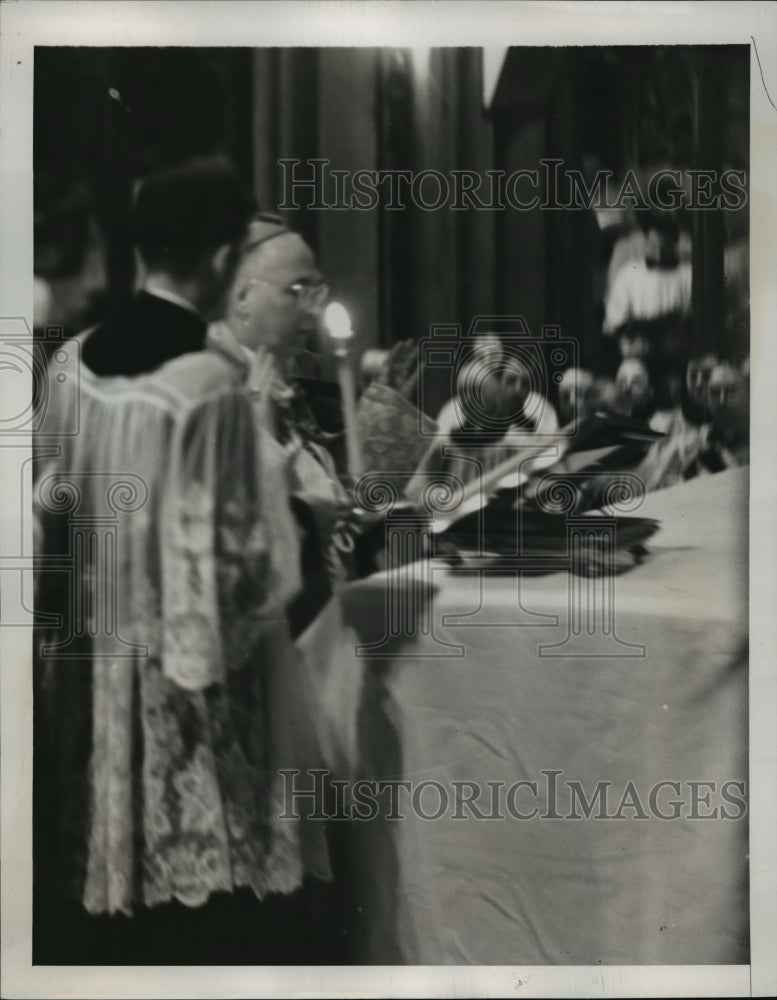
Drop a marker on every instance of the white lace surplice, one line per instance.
(192, 562)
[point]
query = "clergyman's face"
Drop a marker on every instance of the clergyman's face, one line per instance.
(265, 306)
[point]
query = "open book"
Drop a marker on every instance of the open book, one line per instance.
(523, 506)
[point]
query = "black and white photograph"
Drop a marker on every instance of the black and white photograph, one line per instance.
(388, 557)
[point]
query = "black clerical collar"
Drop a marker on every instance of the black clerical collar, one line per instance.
(140, 336)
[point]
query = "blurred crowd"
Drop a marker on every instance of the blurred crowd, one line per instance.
(693, 409)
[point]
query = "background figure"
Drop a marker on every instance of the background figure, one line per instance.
(605, 394)
(69, 287)
(634, 389)
(494, 393)
(577, 395)
(705, 431)
(648, 308)
(684, 422)
(477, 397)
(187, 224)
(494, 416)
(696, 381)
(728, 406)
(70, 278)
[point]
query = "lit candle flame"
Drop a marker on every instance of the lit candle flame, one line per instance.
(338, 321)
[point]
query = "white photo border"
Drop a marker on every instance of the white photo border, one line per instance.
(27, 23)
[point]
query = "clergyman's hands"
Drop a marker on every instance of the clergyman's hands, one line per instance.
(262, 378)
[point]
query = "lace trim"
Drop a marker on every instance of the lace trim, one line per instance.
(192, 647)
(211, 801)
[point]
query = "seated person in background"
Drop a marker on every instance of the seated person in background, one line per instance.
(696, 381)
(577, 395)
(634, 390)
(636, 394)
(477, 382)
(728, 406)
(494, 395)
(604, 394)
(674, 457)
(493, 415)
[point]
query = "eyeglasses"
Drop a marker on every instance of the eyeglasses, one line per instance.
(307, 293)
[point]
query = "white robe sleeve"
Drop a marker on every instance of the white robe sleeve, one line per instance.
(230, 553)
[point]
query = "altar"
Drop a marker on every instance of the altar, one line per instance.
(566, 797)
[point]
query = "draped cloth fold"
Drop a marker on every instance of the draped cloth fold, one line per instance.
(172, 506)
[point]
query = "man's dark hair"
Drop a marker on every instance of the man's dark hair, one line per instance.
(183, 213)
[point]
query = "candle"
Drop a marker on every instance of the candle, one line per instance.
(339, 323)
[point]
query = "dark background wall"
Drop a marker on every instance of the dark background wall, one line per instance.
(104, 118)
